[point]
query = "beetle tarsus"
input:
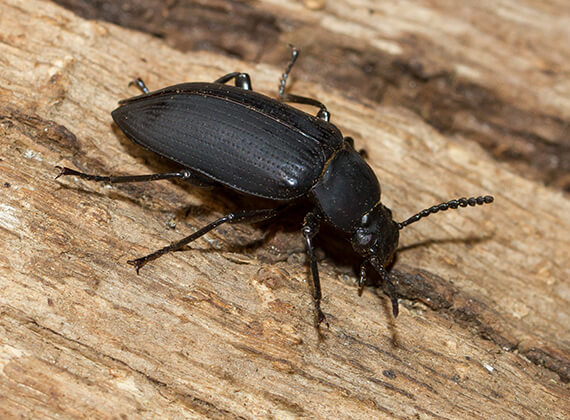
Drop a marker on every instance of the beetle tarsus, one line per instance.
(138, 263)
(68, 171)
(62, 171)
(388, 283)
(393, 295)
(320, 318)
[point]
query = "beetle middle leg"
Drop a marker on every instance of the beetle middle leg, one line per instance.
(323, 113)
(246, 216)
(310, 229)
(242, 80)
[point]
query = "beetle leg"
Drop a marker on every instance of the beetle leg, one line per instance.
(310, 229)
(242, 80)
(323, 113)
(185, 175)
(361, 152)
(285, 76)
(140, 84)
(285, 97)
(362, 278)
(247, 216)
(389, 284)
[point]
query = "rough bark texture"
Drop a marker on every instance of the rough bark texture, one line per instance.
(488, 72)
(225, 330)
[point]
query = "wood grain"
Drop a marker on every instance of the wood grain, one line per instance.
(224, 330)
(493, 73)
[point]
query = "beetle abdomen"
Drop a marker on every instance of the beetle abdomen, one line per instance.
(236, 144)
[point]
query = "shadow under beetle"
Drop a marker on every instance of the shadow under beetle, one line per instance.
(260, 146)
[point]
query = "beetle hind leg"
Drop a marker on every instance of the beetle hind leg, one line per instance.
(187, 175)
(247, 216)
(242, 80)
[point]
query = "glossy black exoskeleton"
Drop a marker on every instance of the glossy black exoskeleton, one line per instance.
(233, 136)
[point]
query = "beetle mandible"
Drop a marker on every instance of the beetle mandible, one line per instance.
(257, 145)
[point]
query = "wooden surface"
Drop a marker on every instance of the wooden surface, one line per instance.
(493, 73)
(225, 330)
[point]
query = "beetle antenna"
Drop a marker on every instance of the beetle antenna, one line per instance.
(391, 289)
(452, 204)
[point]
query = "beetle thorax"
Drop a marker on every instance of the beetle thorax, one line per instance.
(347, 190)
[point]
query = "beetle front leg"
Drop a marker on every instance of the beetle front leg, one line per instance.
(388, 283)
(362, 279)
(310, 229)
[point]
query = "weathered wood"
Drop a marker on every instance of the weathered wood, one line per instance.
(487, 72)
(225, 330)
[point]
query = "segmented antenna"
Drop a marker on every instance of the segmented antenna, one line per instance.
(453, 204)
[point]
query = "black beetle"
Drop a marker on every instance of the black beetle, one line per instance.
(263, 147)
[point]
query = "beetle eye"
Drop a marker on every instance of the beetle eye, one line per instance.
(365, 221)
(364, 238)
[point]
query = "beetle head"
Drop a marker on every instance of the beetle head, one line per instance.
(377, 235)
